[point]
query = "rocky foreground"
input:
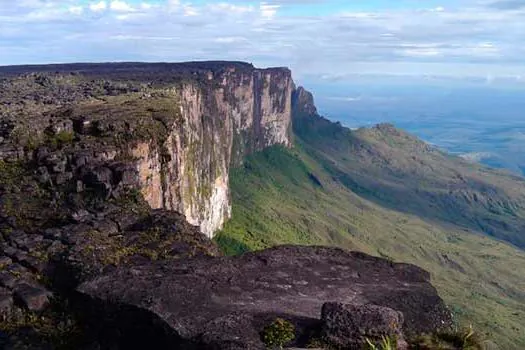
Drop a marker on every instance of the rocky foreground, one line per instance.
(224, 303)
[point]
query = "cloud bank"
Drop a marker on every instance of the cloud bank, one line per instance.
(322, 38)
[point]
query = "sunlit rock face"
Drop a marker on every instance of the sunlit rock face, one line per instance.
(229, 115)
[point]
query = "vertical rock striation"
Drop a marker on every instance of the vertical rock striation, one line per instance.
(225, 115)
(173, 130)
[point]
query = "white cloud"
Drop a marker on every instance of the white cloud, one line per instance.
(346, 99)
(438, 9)
(76, 10)
(268, 11)
(464, 39)
(229, 39)
(231, 8)
(121, 6)
(190, 10)
(421, 52)
(99, 6)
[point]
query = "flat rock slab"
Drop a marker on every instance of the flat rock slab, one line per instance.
(31, 297)
(199, 299)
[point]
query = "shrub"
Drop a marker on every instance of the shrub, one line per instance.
(386, 344)
(61, 139)
(278, 333)
(459, 339)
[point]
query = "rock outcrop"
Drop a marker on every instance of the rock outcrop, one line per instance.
(348, 326)
(224, 303)
(175, 129)
(239, 113)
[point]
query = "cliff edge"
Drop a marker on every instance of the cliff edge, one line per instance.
(177, 127)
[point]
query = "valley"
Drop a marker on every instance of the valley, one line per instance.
(384, 192)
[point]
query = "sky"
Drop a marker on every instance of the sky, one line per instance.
(329, 40)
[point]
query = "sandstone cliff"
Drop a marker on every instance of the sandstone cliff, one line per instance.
(238, 113)
(178, 128)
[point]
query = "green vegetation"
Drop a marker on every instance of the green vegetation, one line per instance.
(279, 333)
(60, 139)
(464, 339)
(386, 344)
(285, 196)
(56, 328)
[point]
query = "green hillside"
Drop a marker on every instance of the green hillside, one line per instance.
(361, 191)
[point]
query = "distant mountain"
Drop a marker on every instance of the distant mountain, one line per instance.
(385, 192)
(395, 169)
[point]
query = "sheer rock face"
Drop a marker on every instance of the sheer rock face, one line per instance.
(239, 113)
(180, 126)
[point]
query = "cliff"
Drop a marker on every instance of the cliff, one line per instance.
(178, 128)
(235, 114)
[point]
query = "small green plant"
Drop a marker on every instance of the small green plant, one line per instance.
(386, 344)
(278, 333)
(61, 139)
(459, 339)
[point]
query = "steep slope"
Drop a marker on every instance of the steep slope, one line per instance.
(365, 191)
(183, 125)
(397, 170)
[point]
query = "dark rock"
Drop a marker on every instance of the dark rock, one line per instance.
(81, 159)
(6, 301)
(125, 175)
(61, 126)
(303, 102)
(43, 175)
(7, 279)
(53, 233)
(79, 186)
(81, 216)
(63, 178)
(107, 226)
(56, 162)
(75, 234)
(4, 261)
(348, 326)
(31, 297)
(41, 154)
(233, 331)
(26, 241)
(293, 282)
(55, 248)
(10, 251)
(17, 269)
(100, 179)
(82, 125)
(11, 154)
(125, 221)
(33, 263)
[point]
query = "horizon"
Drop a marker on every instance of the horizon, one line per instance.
(318, 40)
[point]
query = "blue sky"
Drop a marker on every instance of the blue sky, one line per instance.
(327, 40)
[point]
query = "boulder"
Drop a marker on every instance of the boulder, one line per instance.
(31, 297)
(7, 279)
(6, 301)
(350, 326)
(212, 301)
(100, 179)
